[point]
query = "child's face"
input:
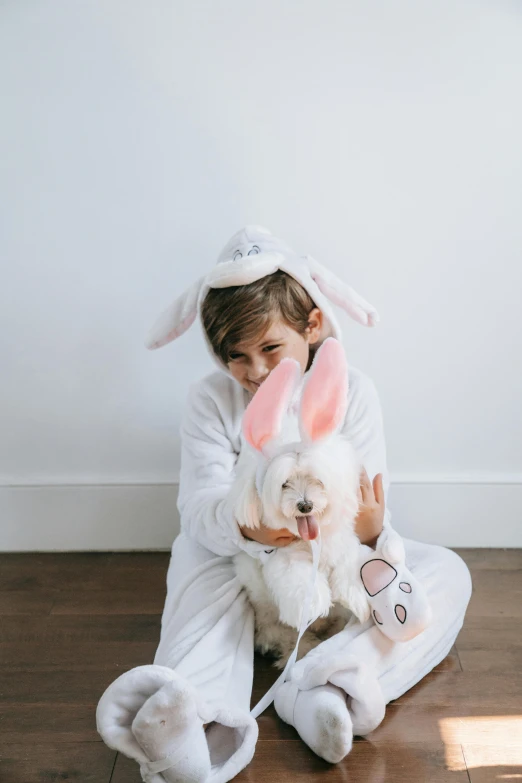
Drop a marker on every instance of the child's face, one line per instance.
(250, 364)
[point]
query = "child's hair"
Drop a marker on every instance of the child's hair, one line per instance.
(244, 313)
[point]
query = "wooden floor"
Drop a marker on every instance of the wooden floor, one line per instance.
(71, 623)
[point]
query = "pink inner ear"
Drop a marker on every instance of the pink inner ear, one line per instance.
(325, 396)
(263, 417)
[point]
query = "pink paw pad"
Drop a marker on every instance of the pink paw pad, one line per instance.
(376, 575)
(405, 587)
(400, 613)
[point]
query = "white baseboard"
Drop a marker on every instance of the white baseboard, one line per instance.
(101, 518)
(457, 511)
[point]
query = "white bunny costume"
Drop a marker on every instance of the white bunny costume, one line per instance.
(203, 667)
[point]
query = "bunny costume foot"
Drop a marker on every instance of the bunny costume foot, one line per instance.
(399, 605)
(320, 716)
(159, 727)
(329, 701)
(155, 716)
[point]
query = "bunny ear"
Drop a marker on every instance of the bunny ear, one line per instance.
(324, 399)
(342, 295)
(263, 417)
(177, 318)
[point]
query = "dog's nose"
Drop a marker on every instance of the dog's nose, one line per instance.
(305, 506)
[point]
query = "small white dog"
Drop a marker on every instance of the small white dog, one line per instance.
(301, 475)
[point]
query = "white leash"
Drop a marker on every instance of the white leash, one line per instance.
(306, 621)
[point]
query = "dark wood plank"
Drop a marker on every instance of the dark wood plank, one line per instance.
(293, 762)
(489, 633)
(496, 593)
(508, 660)
(491, 559)
(289, 762)
(491, 644)
(88, 762)
(80, 628)
(104, 603)
(35, 571)
(75, 657)
(83, 571)
(25, 602)
(50, 722)
(129, 571)
(465, 689)
(55, 686)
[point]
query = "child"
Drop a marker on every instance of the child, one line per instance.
(186, 717)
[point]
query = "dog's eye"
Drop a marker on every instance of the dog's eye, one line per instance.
(237, 255)
(285, 485)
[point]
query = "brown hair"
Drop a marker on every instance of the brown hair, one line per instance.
(245, 312)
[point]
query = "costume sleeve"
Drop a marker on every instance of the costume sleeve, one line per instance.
(207, 472)
(363, 426)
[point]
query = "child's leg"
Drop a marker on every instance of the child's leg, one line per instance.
(370, 668)
(202, 674)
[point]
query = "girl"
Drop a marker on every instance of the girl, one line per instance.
(186, 717)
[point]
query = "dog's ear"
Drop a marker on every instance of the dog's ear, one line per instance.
(264, 415)
(247, 508)
(324, 400)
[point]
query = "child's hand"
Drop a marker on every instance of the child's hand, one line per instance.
(265, 535)
(369, 520)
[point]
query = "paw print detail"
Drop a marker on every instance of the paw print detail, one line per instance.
(377, 617)
(376, 575)
(399, 607)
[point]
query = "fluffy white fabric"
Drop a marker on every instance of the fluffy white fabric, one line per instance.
(207, 629)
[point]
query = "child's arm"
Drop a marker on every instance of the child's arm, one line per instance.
(207, 473)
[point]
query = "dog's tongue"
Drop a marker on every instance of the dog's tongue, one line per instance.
(308, 527)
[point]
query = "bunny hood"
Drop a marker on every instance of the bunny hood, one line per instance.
(249, 255)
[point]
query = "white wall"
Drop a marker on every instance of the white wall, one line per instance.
(383, 138)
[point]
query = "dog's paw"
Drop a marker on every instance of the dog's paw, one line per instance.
(339, 585)
(291, 606)
(290, 609)
(321, 601)
(357, 602)
(350, 595)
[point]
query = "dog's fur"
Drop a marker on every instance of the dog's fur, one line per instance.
(326, 474)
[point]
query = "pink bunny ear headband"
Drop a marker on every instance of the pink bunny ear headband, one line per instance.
(322, 407)
(249, 255)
